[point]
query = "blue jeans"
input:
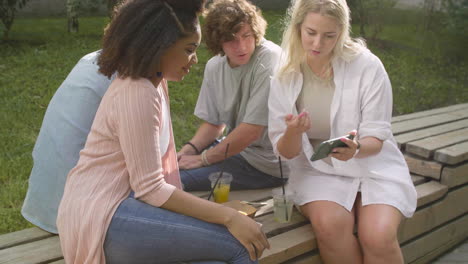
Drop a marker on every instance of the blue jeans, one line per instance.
(141, 233)
(245, 176)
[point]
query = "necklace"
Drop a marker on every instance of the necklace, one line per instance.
(322, 70)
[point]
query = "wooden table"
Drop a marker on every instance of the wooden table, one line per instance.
(435, 144)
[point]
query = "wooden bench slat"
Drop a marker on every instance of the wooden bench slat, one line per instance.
(429, 192)
(417, 180)
(402, 139)
(454, 175)
(42, 251)
(419, 114)
(453, 154)
(289, 245)
(451, 206)
(307, 258)
(251, 195)
(22, 236)
(243, 195)
(62, 261)
(272, 228)
(428, 121)
(426, 147)
(425, 168)
(425, 248)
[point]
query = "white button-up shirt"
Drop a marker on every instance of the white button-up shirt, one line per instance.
(362, 101)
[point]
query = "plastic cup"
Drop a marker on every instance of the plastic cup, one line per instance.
(221, 190)
(282, 208)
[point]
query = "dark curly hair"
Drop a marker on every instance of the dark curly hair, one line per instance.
(224, 18)
(141, 30)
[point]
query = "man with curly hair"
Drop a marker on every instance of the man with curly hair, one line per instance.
(233, 102)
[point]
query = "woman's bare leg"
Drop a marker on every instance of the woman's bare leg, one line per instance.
(377, 232)
(333, 227)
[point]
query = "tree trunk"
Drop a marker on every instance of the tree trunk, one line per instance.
(72, 13)
(73, 25)
(362, 19)
(8, 22)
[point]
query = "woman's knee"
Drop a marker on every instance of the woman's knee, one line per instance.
(329, 225)
(378, 239)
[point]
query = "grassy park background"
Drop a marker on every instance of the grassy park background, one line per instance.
(427, 67)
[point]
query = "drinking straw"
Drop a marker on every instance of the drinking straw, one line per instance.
(220, 173)
(282, 186)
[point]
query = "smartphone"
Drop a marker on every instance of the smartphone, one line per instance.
(326, 147)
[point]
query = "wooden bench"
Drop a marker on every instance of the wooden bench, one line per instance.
(435, 144)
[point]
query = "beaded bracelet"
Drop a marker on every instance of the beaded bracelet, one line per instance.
(204, 159)
(193, 146)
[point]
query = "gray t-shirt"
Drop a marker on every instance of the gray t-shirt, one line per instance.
(237, 95)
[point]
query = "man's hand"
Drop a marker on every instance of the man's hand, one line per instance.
(187, 162)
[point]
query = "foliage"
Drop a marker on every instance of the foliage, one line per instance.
(369, 13)
(457, 15)
(8, 9)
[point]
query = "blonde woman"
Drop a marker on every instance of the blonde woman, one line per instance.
(330, 85)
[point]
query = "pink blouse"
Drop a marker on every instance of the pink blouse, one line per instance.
(122, 153)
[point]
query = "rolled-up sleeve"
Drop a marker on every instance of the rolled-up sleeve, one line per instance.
(279, 105)
(138, 111)
(376, 107)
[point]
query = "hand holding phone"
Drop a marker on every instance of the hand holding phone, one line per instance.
(326, 147)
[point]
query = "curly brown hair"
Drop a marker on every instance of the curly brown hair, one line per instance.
(224, 18)
(140, 32)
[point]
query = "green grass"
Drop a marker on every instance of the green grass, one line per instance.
(41, 53)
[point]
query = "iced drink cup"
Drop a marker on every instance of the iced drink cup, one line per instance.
(282, 208)
(221, 190)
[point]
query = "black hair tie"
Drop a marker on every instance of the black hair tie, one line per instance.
(193, 146)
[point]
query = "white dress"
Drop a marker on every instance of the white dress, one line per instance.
(362, 100)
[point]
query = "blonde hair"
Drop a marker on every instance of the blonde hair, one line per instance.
(346, 47)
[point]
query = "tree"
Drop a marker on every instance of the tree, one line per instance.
(8, 9)
(457, 16)
(72, 14)
(75, 7)
(370, 12)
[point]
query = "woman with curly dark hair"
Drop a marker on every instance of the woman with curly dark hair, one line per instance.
(123, 201)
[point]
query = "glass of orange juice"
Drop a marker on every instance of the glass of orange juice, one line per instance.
(223, 185)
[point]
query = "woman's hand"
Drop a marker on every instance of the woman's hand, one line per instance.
(290, 144)
(187, 162)
(346, 153)
(297, 124)
(249, 234)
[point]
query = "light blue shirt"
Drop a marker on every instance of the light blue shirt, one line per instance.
(64, 130)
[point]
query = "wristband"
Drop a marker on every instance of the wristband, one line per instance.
(204, 159)
(193, 146)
